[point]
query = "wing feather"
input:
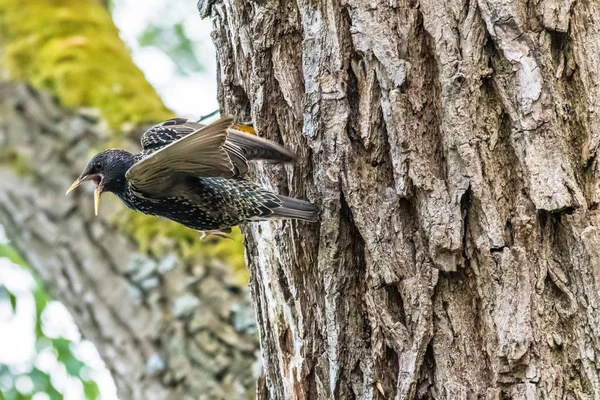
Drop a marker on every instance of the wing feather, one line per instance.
(241, 144)
(257, 148)
(166, 132)
(199, 154)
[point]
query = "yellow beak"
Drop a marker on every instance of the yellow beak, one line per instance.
(97, 194)
(74, 186)
(97, 191)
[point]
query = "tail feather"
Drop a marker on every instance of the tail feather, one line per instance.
(296, 209)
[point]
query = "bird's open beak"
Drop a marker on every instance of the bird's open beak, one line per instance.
(98, 181)
(74, 186)
(97, 194)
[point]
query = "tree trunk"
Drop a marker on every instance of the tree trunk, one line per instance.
(452, 149)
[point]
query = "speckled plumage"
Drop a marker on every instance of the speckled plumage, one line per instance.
(218, 204)
(157, 182)
(165, 133)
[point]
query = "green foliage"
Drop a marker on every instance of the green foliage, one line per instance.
(90, 389)
(65, 355)
(7, 295)
(10, 253)
(62, 347)
(173, 41)
(42, 383)
(13, 301)
(40, 296)
(73, 49)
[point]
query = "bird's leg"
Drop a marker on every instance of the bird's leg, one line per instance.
(218, 233)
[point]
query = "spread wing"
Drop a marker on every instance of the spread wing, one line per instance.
(199, 154)
(167, 132)
(242, 144)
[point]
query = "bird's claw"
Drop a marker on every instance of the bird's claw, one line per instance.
(220, 234)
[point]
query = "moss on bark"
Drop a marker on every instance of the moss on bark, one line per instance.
(73, 49)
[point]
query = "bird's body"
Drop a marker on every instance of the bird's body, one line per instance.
(195, 175)
(216, 204)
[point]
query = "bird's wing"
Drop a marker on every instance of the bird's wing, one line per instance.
(167, 132)
(242, 144)
(199, 154)
(257, 148)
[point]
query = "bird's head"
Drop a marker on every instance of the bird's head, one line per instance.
(107, 170)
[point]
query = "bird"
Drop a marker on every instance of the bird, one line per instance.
(196, 175)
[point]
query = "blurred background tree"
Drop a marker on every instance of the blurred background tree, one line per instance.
(168, 314)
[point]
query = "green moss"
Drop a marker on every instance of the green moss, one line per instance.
(158, 236)
(73, 49)
(20, 163)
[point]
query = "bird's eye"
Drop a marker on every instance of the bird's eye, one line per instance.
(98, 166)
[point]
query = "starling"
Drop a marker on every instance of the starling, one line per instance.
(195, 175)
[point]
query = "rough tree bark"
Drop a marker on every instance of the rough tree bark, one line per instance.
(167, 325)
(452, 149)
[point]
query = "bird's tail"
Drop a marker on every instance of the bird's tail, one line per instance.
(295, 209)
